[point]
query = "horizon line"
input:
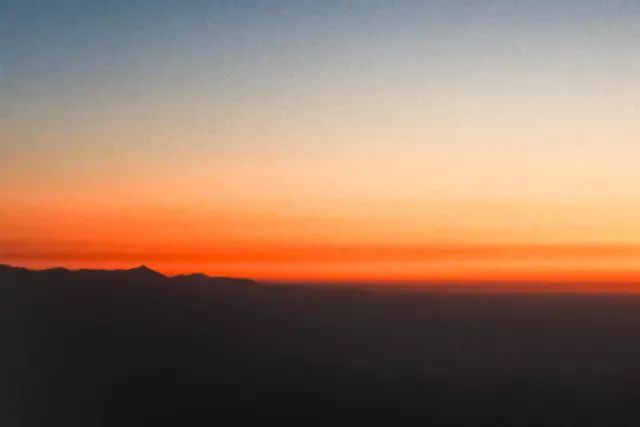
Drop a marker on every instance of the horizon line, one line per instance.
(450, 285)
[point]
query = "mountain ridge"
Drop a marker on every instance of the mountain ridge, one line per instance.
(139, 273)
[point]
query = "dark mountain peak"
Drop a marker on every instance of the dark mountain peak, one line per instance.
(142, 267)
(57, 270)
(144, 270)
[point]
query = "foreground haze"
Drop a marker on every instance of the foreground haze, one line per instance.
(324, 141)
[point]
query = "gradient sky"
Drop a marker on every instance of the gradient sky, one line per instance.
(323, 140)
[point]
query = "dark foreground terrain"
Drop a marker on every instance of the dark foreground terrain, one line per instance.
(135, 348)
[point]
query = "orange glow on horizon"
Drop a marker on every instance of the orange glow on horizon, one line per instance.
(339, 248)
(603, 268)
(544, 281)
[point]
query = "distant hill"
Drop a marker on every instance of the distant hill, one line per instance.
(138, 275)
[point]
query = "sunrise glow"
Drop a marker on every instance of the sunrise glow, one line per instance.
(401, 142)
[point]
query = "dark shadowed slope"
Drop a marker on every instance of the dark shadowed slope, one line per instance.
(133, 347)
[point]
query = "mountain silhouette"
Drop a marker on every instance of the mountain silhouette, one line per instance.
(135, 347)
(137, 275)
(144, 271)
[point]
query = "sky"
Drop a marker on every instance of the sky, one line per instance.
(327, 140)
